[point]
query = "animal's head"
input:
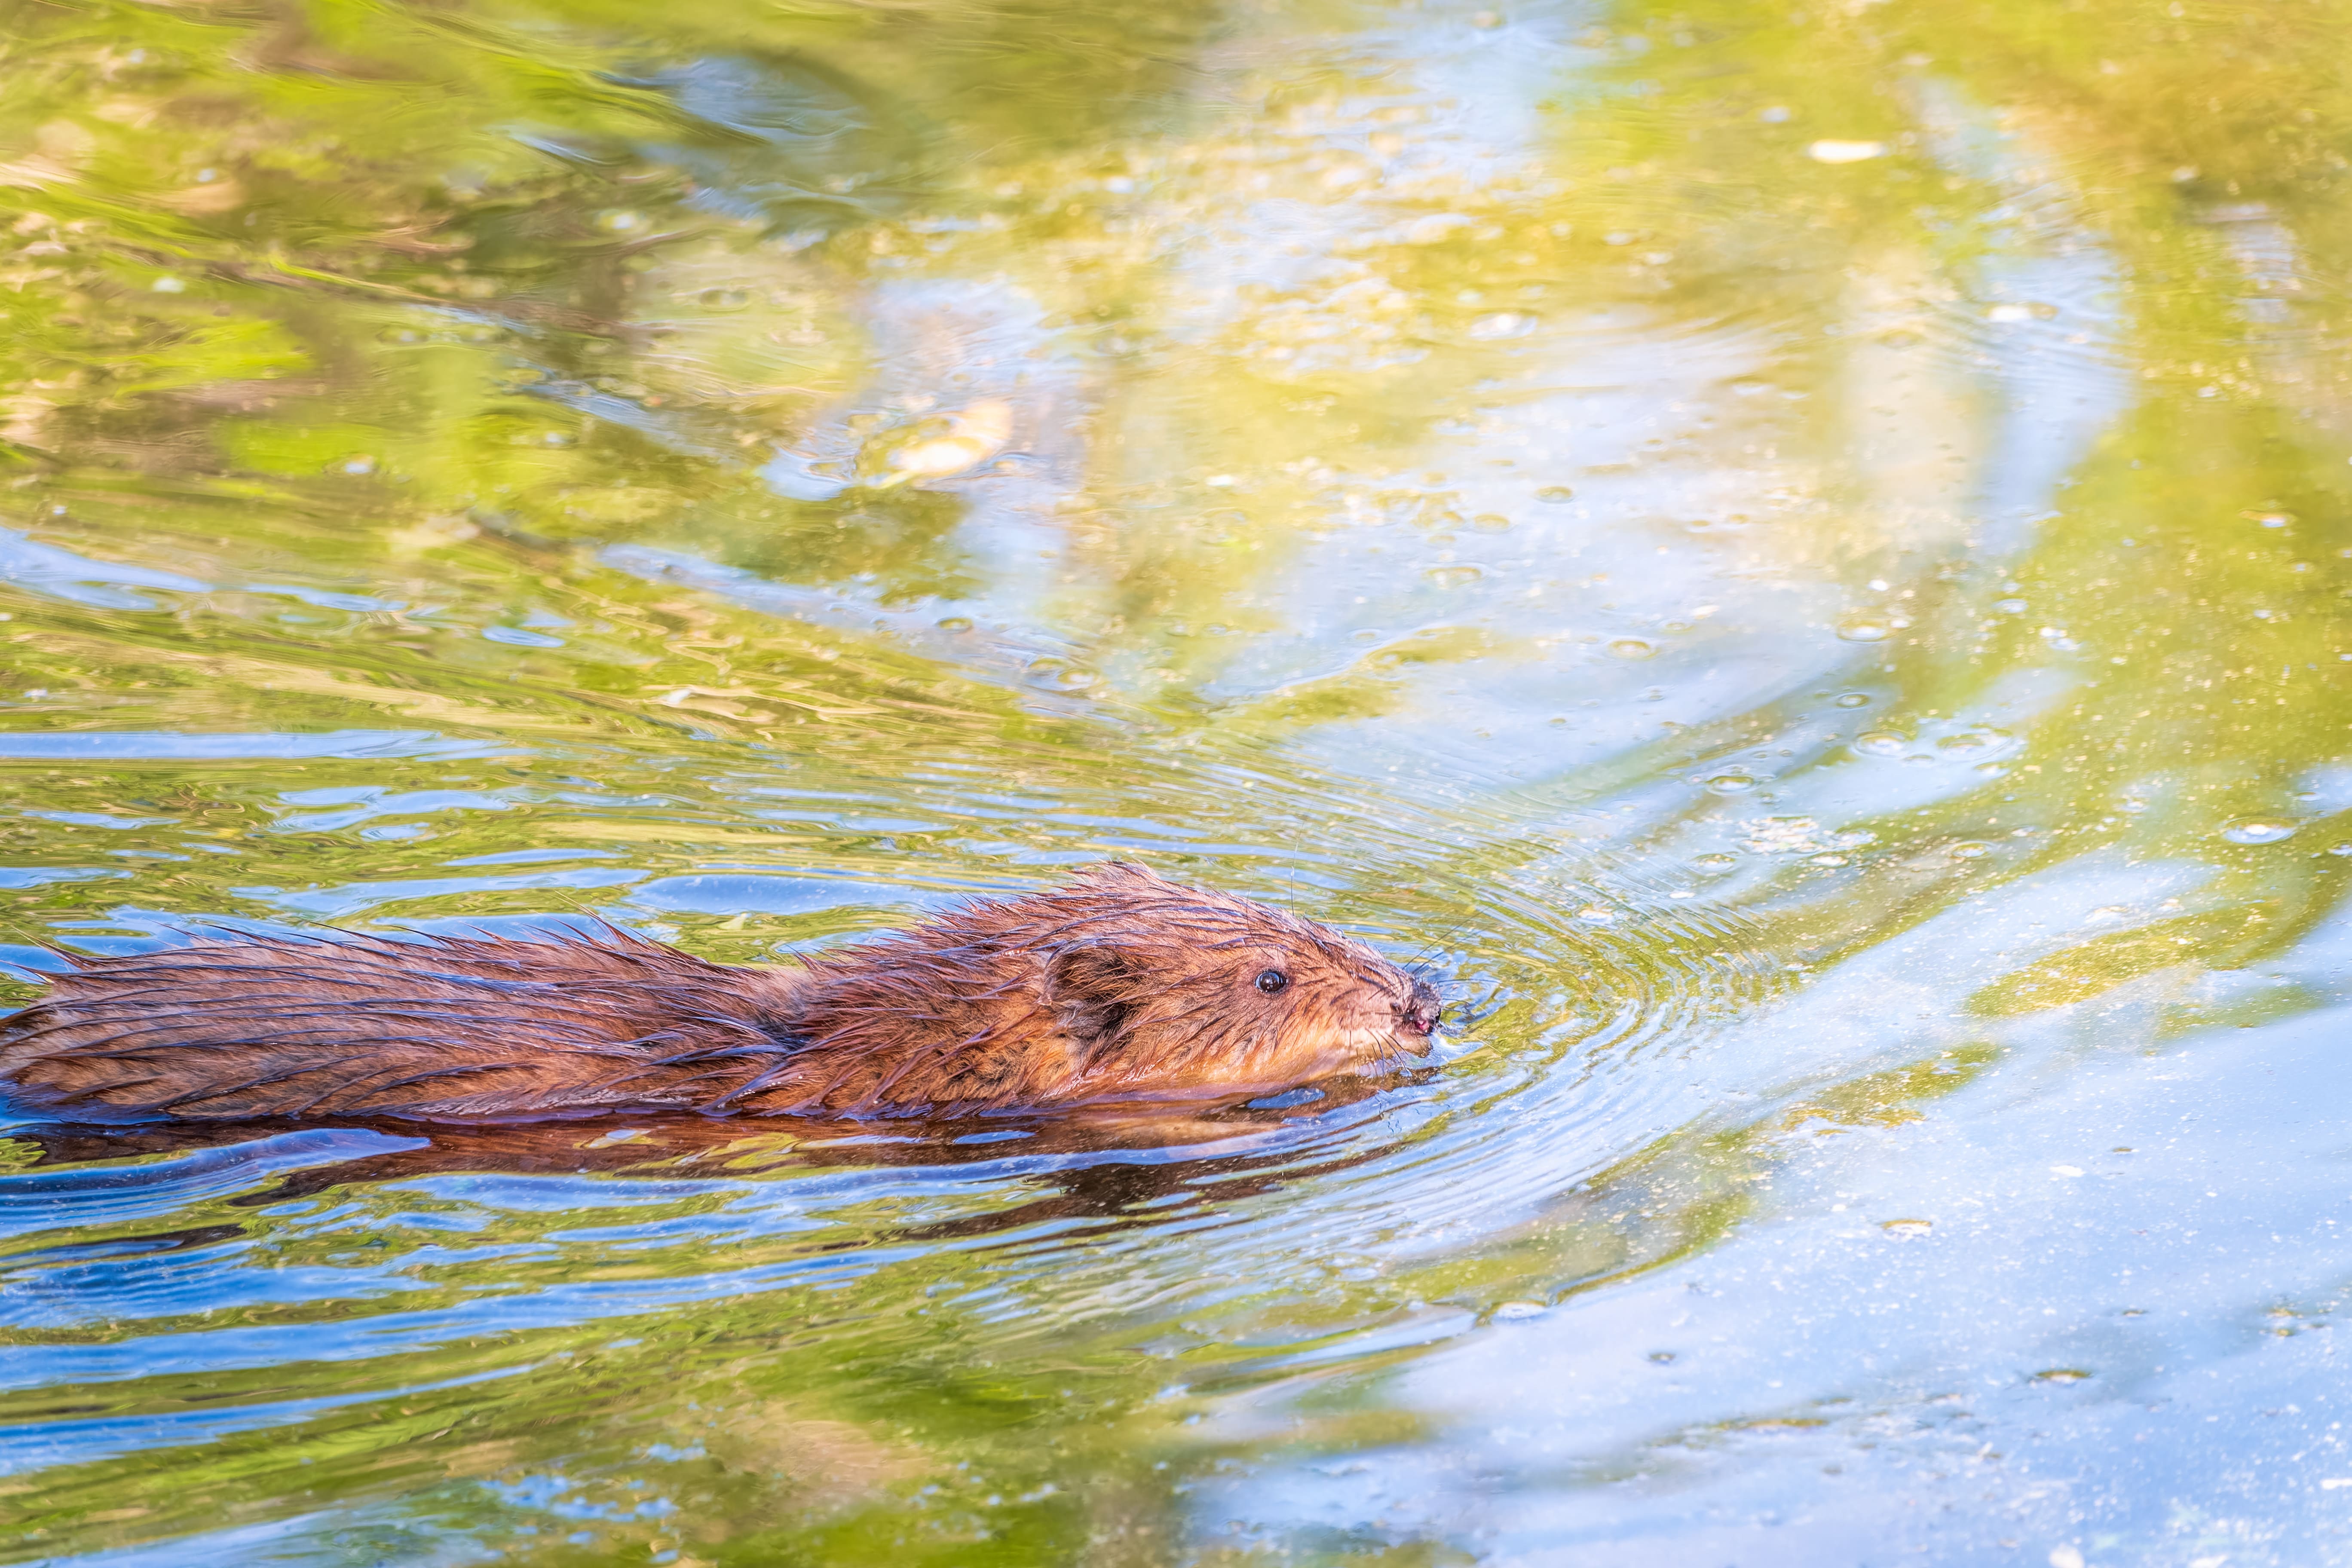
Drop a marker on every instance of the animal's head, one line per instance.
(1174, 991)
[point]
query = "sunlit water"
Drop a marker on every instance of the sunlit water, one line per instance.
(1799, 555)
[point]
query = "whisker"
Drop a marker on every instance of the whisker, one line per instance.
(1443, 940)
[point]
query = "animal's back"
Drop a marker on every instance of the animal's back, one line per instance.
(445, 1030)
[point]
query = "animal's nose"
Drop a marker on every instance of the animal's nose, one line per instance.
(1418, 1012)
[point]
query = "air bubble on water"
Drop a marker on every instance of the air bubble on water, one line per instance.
(1594, 914)
(2062, 1375)
(1731, 784)
(1631, 647)
(1881, 743)
(1049, 671)
(1907, 1229)
(1555, 494)
(2131, 804)
(2272, 519)
(619, 220)
(2258, 830)
(1501, 325)
(1516, 1311)
(1490, 522)
(359, 463)
(2341, 849)
(1715, 865)
(1853, 700)
(1977, 741)
(724, 299)
(955, 624)
(1829, 859)
(1970, 849)
(1837, 151)
(1863, 628)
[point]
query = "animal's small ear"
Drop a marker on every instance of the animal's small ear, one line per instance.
(1095, 987)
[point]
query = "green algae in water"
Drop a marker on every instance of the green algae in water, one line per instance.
(1800, 558)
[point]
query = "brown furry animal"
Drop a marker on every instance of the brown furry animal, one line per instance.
(1118, 988)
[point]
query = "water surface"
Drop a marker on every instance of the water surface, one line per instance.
(1798, 554)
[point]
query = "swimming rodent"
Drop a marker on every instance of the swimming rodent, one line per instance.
(1118, 988)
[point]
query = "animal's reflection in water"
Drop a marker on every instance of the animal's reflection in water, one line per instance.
(1141, 1161)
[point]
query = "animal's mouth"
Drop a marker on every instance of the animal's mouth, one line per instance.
(1401, 1045)
(1417, 1018)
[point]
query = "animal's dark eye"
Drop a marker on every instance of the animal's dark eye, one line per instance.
(1272, 981)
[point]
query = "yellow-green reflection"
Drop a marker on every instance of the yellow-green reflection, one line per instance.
(1801, 556)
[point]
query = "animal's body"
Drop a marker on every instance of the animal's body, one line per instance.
(1119, 989)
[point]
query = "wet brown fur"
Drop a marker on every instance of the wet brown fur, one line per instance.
(1118, 987)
